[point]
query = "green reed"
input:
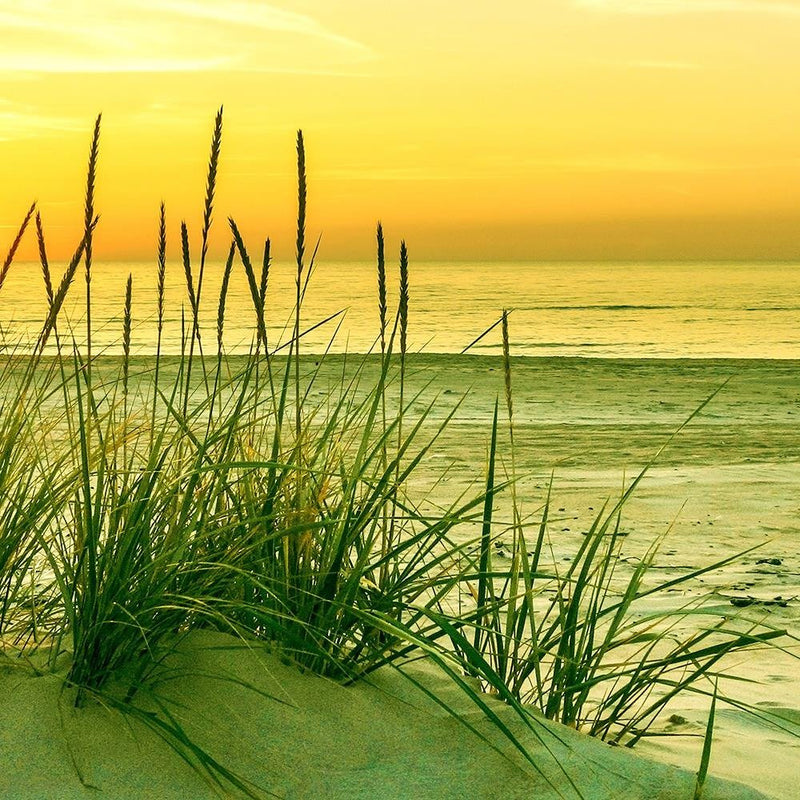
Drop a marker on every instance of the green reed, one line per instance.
(296, 528)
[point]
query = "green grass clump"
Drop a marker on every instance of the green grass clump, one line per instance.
(212, 491)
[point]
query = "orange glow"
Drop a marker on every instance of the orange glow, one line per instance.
(548, 129)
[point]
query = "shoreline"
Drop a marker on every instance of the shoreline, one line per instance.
(103, 354)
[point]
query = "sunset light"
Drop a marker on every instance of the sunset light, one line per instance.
(399, 399)
(559, 129)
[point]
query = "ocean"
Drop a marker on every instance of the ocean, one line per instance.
(700, 310)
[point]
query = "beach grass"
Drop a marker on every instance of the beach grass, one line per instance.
(223, 494)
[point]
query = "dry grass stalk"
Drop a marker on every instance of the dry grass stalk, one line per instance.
(381, 286)
(126, 335)
(255, 291)
(403, 314)
(301, 203)
(162, 267)
(126, 362)
(61, 293)
(223, 295)
(265, 265)
(160, 281)
(48, 281)
(15, 245)
(187, 269)
(403, 299)
(208, 206)
(89, 225)
(300, 251)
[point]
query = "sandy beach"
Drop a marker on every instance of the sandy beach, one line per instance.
(727, 483)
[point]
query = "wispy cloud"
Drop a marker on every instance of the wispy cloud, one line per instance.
(664, 7)
(169, 36)
(24, 122)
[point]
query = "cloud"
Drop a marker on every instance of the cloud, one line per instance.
(666, 7)
(23, 122)
(46, 36)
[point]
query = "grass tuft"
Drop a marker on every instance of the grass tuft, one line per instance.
(286, 515)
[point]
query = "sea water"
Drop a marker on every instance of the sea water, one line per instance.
(610, 310)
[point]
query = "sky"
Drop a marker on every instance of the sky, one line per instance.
(502, 129)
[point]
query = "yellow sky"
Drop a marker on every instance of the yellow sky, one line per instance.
(506, 129)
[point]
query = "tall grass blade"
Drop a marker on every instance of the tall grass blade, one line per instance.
(705, 759)
(485, 566)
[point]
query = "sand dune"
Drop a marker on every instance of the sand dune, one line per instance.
(312, 739)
